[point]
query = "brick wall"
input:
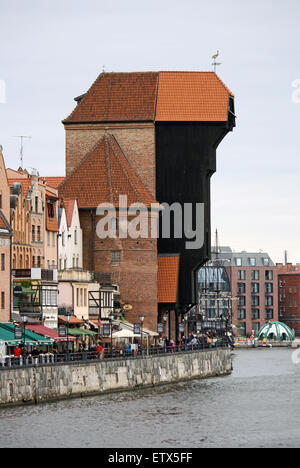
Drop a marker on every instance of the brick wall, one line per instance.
(136, 273)
(289, 300)
(5, 279)
(136, 140)
(4, 189)
(249, 321)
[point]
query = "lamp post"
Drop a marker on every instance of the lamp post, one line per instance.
(68, 318)
(111, 316)
(142, 319)
(24, 337)
(165, 318)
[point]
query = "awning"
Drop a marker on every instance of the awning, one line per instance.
(81, 332)
(7, 334)
(146, 331)
(49, 333)
(73, 320)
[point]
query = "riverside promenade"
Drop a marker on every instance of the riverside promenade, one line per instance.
(36, 383)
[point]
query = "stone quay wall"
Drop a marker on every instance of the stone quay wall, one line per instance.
(62, 381)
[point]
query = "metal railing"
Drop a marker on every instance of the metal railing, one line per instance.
(8, 362)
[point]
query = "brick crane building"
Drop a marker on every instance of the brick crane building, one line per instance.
(152, 136)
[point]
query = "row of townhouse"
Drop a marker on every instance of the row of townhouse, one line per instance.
(41, 260)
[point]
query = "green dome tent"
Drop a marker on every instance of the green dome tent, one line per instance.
(276, 331)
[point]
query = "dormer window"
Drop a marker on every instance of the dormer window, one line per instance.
(50, 210)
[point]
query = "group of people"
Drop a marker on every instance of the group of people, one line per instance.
(21, 351)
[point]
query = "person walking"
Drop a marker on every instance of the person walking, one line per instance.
(35, 355)
(100, 351)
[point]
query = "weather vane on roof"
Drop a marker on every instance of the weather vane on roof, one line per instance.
(215, 63)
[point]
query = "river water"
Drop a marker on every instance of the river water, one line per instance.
(257, 406)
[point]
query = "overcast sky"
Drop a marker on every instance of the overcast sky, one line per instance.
(52, 50)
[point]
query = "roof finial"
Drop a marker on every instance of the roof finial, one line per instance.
(215, 63)
(103, 69)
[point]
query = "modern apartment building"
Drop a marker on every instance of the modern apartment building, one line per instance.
(254, 287)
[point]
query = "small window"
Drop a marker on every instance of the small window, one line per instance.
(241, 314)
(255, 288)
(255, 314)
(266, 262)
(269, 288)
(255, 301)
(2, 262)
(269, 314)
(3, 300)
(255, 275)
(269, 275)
(238, 261)
(116, 256)
(252, 261)
(241, 275)
(50, 210)
(269, 301)
(241, 288)
(242, 301)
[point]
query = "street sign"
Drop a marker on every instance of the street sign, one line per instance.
(106, 329)
(198, 326)
(137, 329)
(181, 328)
(160, 328)
(18, 332)
(62, 331)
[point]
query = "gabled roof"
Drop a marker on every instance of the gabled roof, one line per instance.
(25, 183)
(154, 96)
(118, 97)
(168, 274)
(69, 208)
(192, 97)
(4, 224)
(53, 181)
(102, 176)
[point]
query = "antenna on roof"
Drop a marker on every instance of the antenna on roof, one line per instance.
(21, 149)
(215, 64)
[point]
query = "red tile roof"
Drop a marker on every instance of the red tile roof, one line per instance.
(53, 181)
(118, 97)
(25, 183)
(192, 97)
(51, 223)
(69, 208)
(289, 270)
(102, 176)
(4, 224)
(73, 320)
(168, 273)
(154, 96)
